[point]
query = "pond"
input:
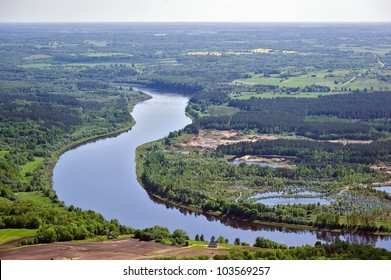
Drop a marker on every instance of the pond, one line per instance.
(300, 197)
(386, 189)
(260, 163)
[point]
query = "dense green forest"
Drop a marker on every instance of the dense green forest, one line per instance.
(61, 85)
(350, 116)
(44, 112)
(334, 251)
(209, 183)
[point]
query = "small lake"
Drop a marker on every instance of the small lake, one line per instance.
(301, 197)
(283, 193)
(293, 200)
(386, 189)
(101, 176)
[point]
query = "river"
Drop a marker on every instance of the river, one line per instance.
(101, 176)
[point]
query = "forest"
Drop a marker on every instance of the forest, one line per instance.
(61, 86)
(334, 251)
(209, 183)
(364, 116)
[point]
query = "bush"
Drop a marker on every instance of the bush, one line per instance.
(46, 234)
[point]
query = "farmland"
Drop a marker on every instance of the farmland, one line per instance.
(329, 138)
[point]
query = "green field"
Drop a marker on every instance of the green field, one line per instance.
(37, 57)
(7, 235)
(30, 167)
(3, 153)
(370, 84)
(222, 110)
(88, 64)
(36, 197)
(37, 65)
(248, 95)
(365, 49)
(318, 78)
(102, 54)
(97, 43)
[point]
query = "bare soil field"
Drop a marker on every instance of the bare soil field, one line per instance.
(124, 249)
(211, 139)
(347, 141)
(278, 161)
(385, 169)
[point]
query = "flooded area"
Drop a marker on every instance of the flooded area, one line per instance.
(301, 197)
(386, 189)
(260, 163)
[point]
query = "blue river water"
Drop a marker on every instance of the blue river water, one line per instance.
(101, 176)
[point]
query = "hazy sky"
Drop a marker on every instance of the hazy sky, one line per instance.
(195, 10)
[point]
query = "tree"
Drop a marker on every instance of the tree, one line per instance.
(197, 237)
(202, 238)
(220, 239)
(237, 241)
(46, 234)
(180, 233)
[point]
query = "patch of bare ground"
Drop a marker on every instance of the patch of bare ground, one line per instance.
(385, 169)
(211, 139)
(347, 141)
(124, 249)
(278, 161)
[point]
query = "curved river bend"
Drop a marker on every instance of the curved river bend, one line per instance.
(101, 176)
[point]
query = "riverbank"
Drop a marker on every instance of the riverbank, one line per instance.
(102, 176)
(232, 219)
(75, 144)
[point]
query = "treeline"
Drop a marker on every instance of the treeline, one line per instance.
(108, 73)
(38, 118)
(38, 124)
(277, 122)
(92, 59)
(346, 106)
(182, 84)
(337, 250)
(216, 98)
(351, 116)
(353, 106)
(61, 110)
(162, 235)
(42, 112)
(205, 183)
(57, 224)
(306, 151)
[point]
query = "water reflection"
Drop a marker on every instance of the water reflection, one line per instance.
(101, 176)
(325, 236)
